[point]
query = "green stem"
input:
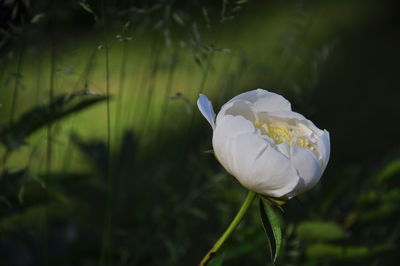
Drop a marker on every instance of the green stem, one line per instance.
(235, 222)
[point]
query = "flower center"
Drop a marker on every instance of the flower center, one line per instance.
(280, 133)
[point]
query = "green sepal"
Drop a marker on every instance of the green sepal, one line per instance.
(273, 201)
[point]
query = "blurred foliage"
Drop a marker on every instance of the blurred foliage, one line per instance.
(14, 133)
(129, 181)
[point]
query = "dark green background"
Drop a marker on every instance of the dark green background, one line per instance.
(156, 196)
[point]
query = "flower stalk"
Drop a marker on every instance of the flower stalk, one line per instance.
(235, 222)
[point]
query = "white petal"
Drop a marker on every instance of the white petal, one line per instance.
(246, 149)
(226, 131)
(307, 166)
(288, 115)
(264, 101)
(273, 174)
(238, 108)
(251, 159)
(206, 108)
(284, 148)
(291, 118)
(324, 146)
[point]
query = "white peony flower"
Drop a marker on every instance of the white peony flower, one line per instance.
(270, 149)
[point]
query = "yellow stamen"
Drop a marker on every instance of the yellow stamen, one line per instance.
(279, 134)
(284, 133)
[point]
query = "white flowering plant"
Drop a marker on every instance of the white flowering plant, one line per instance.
(272, 151)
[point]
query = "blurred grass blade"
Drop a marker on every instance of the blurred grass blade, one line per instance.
(85, 5)
(14, 134)
(390, 170)
(272, 228)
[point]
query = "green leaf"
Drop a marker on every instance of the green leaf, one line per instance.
(323, 231)
(336, 252)
(390, 170)
(217, 261)
(13, 135)
(381, 212)
(272, 228)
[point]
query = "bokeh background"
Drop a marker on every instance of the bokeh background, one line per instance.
(105, 159)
